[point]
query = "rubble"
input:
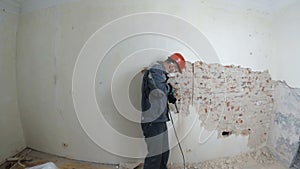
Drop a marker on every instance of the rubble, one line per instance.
(261, 156)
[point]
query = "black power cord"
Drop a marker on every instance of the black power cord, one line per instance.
(177, 137)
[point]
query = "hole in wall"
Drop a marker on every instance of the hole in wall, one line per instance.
(65, 145)
(226, 133)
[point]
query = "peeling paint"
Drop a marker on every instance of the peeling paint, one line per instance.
(284, 137)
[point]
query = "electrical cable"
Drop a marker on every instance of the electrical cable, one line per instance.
(183, 158)
(177, 137)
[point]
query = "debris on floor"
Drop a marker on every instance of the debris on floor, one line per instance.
(136, 165)
(18, 161)
(31, 158)
(260, 159)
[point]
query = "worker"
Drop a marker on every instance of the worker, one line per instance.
(156, 93)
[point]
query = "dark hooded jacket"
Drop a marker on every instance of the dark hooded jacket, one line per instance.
(154, 94)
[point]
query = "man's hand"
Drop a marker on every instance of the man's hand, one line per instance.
(171, 98)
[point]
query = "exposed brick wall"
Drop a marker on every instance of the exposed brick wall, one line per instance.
(230, 98)
(183, 84)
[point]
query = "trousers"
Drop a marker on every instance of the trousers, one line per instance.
(156, 138)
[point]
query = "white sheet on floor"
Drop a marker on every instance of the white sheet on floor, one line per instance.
(49, 165)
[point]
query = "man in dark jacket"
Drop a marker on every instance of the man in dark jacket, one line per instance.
(156, 93)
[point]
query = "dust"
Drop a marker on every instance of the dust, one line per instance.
(261, 156)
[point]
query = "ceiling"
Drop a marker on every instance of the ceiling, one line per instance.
(262, 5)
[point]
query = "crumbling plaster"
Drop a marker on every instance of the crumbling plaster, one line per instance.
(229, 99)
(50, 39)
(285, 131)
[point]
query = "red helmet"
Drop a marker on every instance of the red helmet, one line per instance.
(179, 59)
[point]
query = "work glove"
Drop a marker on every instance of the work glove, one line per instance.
(172, 99)
(171, 94)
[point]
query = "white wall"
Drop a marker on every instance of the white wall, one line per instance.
(11, 132)
(51, 37)
(287, 38)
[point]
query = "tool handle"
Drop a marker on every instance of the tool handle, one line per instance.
(176, 108)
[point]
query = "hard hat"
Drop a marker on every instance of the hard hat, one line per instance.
(179, 59)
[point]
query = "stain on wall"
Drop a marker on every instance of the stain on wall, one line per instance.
(229, 99)
(285, 132)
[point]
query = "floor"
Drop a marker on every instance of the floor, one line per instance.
(32, 158)
(265, 166)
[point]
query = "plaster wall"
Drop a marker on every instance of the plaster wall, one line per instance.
(285, 132)
(286, 57)
(284, 137)
(230, 101)
(11, 132)
(50, 38)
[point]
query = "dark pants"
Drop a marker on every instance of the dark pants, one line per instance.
(156, 138)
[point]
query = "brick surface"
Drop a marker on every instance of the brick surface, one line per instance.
(236, 99)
